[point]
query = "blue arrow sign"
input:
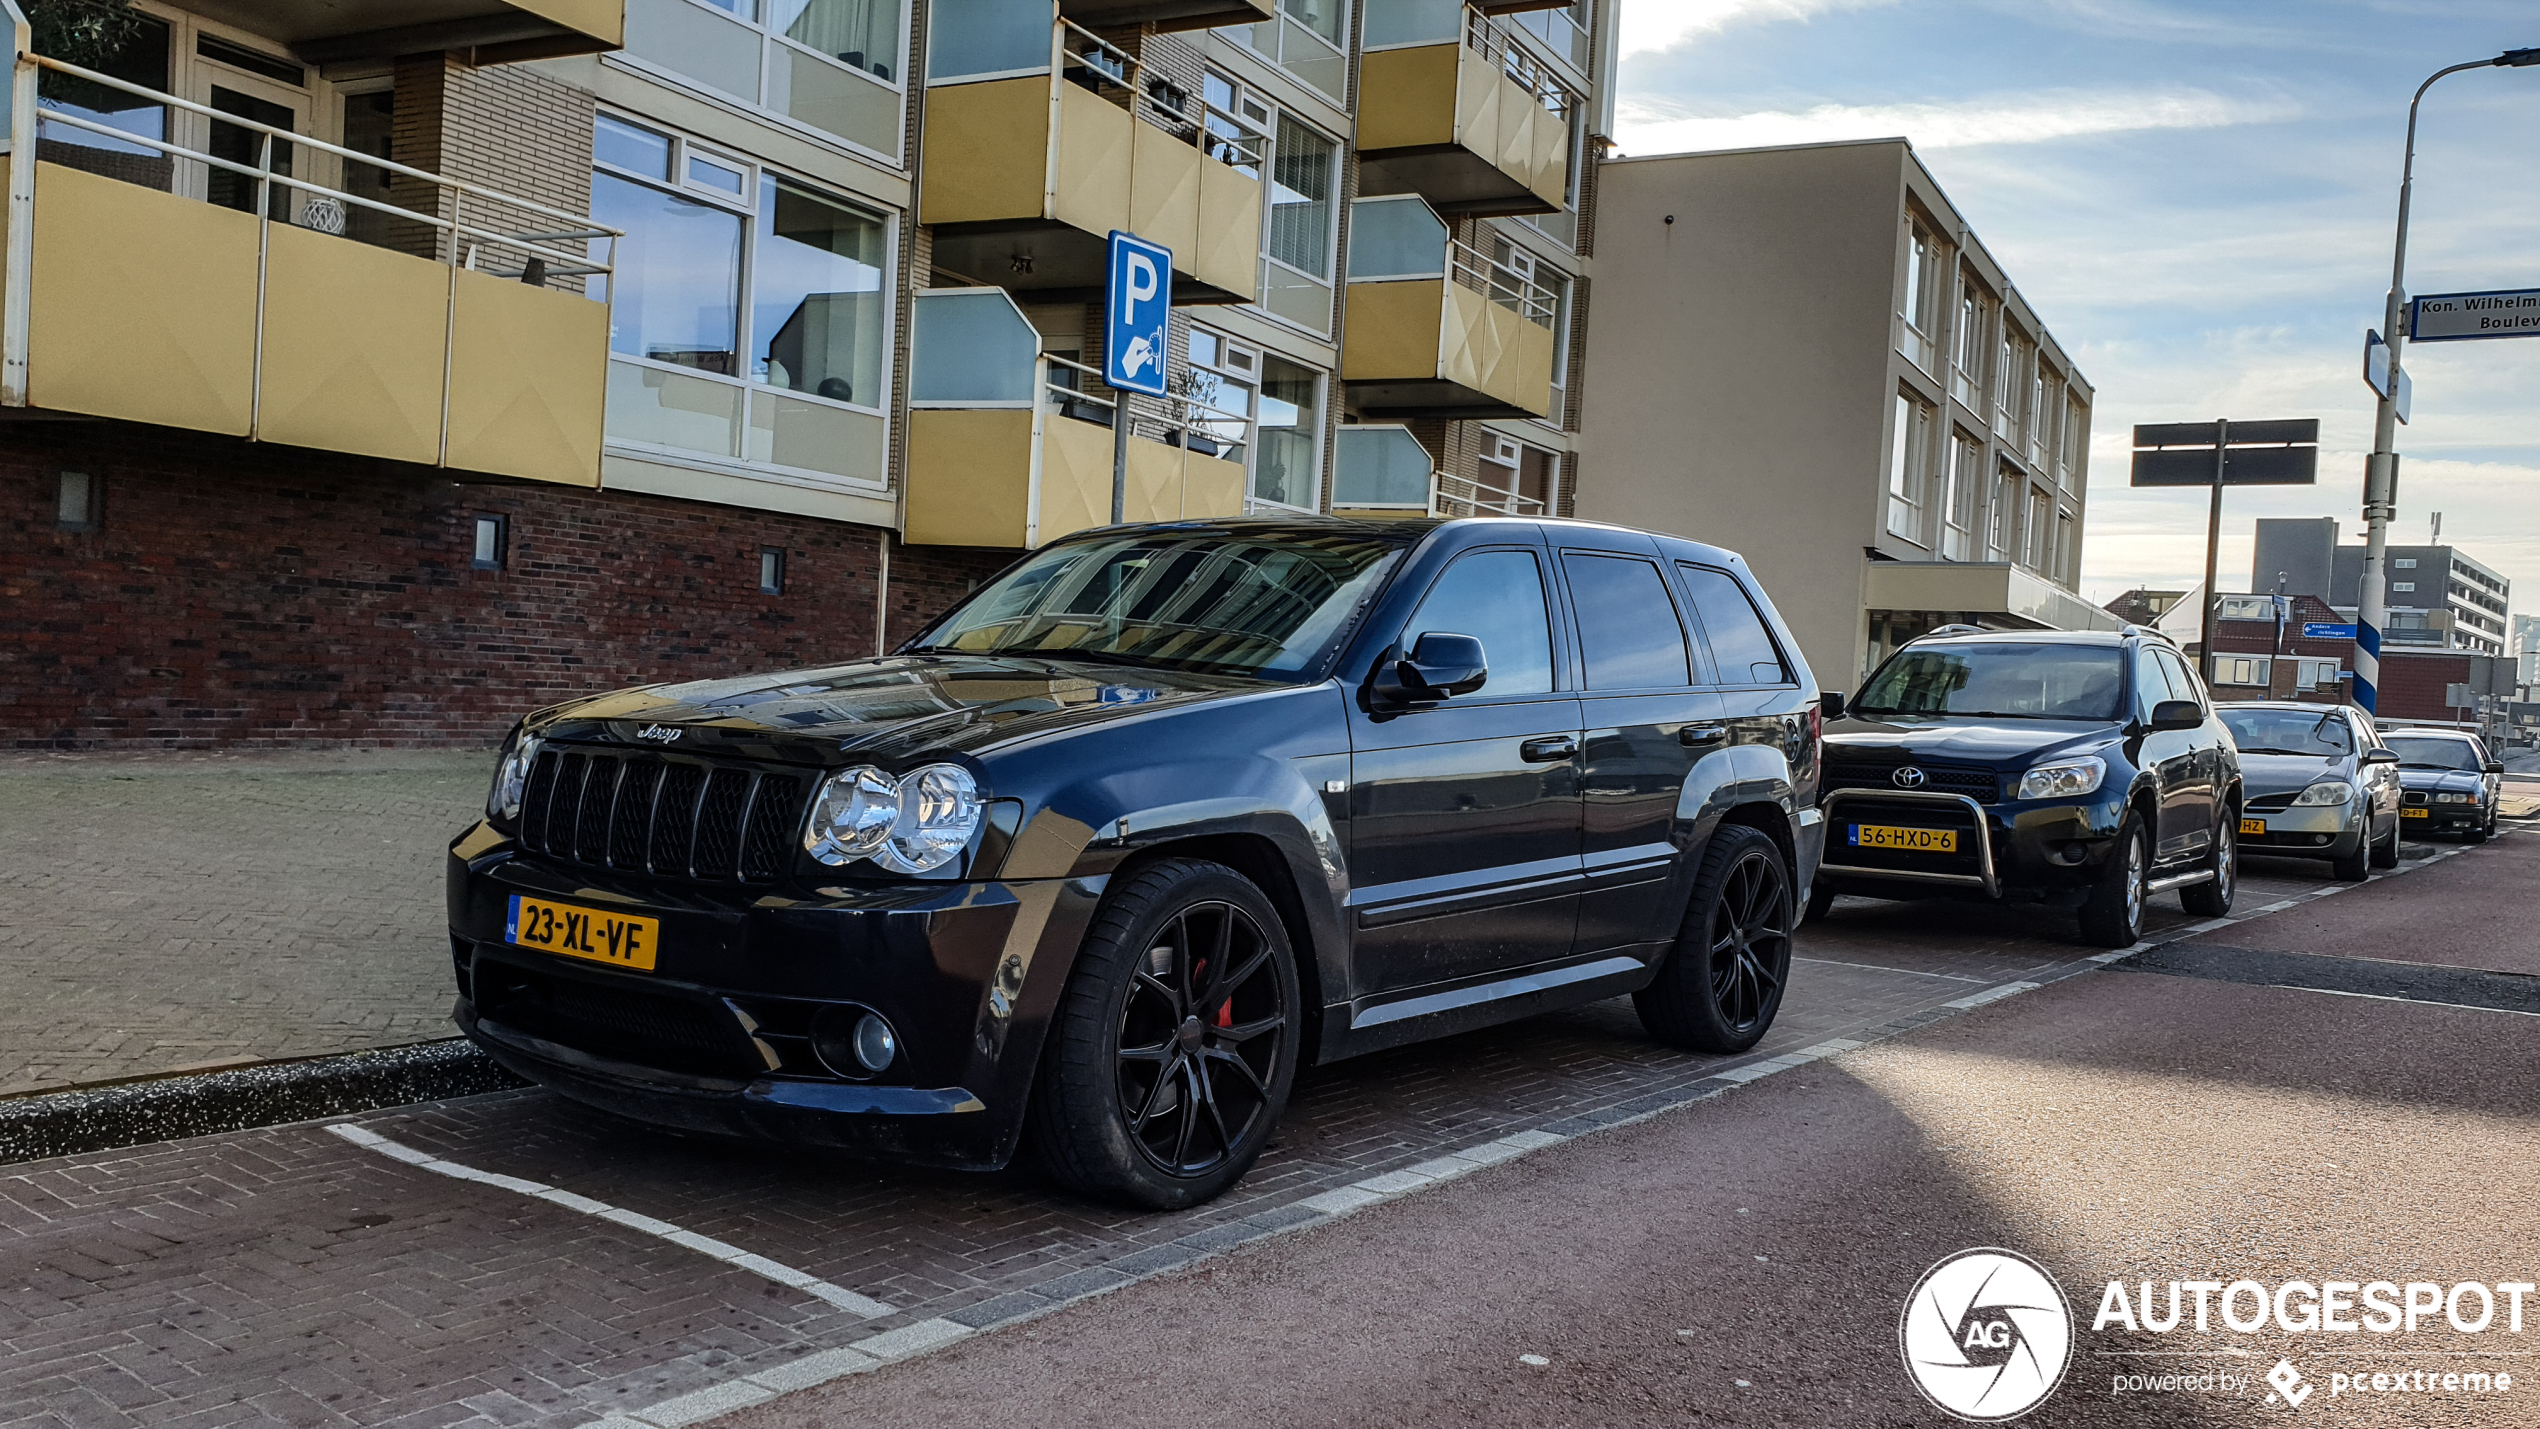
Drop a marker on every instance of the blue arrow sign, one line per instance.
(1136, 308)
(2322, 630)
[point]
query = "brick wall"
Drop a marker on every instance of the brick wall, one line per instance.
(237, 595)
(506, 127)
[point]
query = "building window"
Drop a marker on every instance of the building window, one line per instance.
(1908, 466)
(75, 502)
(1296, 252)
(2041, 532)
(830, 65)
(2405, 563)
(1965, 498)
(1977, 312)
(2002, 528)
(1224, 376)
(771, 571)
(750, 321)
(2065, 526)
(2403, 585)
(2256, 672)
(1287, 463)
(2068, 456)
(1919, 302)
(493, 543)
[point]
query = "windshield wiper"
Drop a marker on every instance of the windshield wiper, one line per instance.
(2297, 753)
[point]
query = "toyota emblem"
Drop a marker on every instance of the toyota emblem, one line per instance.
(1908, 777)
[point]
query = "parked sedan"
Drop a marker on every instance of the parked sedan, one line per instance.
(2319, 785)
(2451, 782)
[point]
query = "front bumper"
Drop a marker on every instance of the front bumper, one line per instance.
(717, 1036)
(2306, 831)
(2441, 818)
(2006, 851)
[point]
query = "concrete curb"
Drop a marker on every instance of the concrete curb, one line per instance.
(196, 1104)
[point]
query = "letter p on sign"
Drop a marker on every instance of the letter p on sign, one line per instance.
(1137, 307)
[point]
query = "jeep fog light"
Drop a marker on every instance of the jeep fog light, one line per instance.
(2064, 779)
(939, 810)
(853, 817)
(2327, 791)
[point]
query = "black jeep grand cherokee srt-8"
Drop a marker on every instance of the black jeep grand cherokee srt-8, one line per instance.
(1148, 821)
(2075, 768)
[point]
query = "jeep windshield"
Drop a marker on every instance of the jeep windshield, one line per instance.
(1269, 605)
(2005, 681)
(2432, 752)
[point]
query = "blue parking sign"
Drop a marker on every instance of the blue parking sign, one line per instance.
(1136, 308)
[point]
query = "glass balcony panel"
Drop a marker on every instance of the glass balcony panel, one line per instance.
(813, 436)
(688, 39)
(1312, 58)
(1379, 466)
(863, 35)
(1395, 238)
(1413, 22)
(971, 347)
(658, 408)
(1290, 294)
(976, 39)
(835, 99)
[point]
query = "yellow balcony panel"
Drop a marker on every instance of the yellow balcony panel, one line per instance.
(144, 306)
(528, 380)
(489, 31)
(1167, 14)
(1445, 123)
(1427, 347)
(1023, 191)
(1010, 477)
(355, 342)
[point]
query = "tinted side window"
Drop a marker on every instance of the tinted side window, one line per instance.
(2181, 681)
(1497, 598)
(1627, 624)
(2150, 685)
(1741, 647)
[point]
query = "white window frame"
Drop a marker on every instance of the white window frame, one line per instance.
(1909, 465)
(2245, 671)
(768, 40)
(744, 336)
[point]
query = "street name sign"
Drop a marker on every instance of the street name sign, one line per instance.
(2451, 317)
(1136, 308)
(2322, 630)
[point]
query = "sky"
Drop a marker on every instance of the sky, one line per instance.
(2198, 199)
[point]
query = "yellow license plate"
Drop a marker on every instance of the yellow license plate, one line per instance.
(2254, 826)
(1911, 840)
(621, 940)
(2416, 813)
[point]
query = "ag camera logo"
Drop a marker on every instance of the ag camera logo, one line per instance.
(1986, 1335)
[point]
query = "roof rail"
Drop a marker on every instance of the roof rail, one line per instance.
(2151, 632)
(1955, 628)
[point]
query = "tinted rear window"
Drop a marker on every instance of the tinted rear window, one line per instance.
(1627, 624)
(1741, 648)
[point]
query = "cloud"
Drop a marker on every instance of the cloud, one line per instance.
(2003, 119)
(1662, 24)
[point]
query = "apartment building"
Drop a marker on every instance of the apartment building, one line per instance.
(2438, 597)
(1821, 366)
(377, 372)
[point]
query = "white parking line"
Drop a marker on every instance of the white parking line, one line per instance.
(1877, 968)
(731, 1255)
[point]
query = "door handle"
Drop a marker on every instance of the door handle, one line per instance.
(1707, 734)
(1550, 749)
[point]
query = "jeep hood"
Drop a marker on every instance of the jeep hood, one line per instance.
(2003, 743)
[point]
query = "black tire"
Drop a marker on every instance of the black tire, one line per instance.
(1821, 896)
(1144, 1097)
(2112, 913)
(2385, 854)
(2212, 899)
(2357, 866)
(2478, 833)
(1721, 985)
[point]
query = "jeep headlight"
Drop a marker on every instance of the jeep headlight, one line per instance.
(853, 816)
(2064, 779)
(2455, 798)
(511, 777)
(939, 811)
(2327, 791)
(913, 824)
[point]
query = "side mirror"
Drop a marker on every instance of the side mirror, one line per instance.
(1832, 703)
(2380, 756)
(1440, 665)
(2178, 714)
(2495, 766)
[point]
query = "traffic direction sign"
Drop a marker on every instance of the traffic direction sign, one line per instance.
(2278, 453)
(2377, 372)
(2451, 317)
(1136, 309)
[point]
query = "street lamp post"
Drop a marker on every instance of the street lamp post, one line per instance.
(2381, 469)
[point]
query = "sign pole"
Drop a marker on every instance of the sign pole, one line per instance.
(2213, 542)
(1119, 455)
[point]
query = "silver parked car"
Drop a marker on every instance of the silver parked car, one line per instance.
(2320, 785)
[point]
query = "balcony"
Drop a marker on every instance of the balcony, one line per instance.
(1454, 109)
(447, 330)
(1167, 14)
(1380, 472)
(1041, 139)
(1439, 329)
(1011, 447)
(490, 31)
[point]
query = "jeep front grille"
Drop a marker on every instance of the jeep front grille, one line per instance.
(666, 815)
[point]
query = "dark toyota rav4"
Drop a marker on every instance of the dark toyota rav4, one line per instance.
(1097, 861)
(2075, 768)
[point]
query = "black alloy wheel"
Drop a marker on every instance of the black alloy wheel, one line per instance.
(1722, 984)
(1197, 1045)
(1175, 1041)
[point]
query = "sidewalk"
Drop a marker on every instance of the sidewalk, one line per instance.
(165, 913)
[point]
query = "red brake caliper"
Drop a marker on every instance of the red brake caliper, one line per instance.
(1226, 1013)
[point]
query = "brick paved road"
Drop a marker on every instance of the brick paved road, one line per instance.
(284, 1277)
(171, 912)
